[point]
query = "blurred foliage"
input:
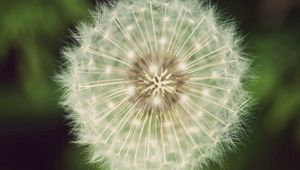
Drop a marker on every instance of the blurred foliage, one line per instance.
(32, 33)
(278, 66)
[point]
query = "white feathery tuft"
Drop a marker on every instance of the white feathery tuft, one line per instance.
(155, 85)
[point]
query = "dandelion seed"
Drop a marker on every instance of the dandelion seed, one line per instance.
(159, 85)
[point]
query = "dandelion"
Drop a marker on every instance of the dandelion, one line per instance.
(155, 85)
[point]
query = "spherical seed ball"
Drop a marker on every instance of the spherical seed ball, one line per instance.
(155, 85)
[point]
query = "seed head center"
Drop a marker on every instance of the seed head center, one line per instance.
(158, 82)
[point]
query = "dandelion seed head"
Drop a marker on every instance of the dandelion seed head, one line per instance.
(155, 85)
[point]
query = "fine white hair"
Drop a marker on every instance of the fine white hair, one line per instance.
(176, 54)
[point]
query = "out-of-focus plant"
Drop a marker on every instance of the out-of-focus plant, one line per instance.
(30, 33)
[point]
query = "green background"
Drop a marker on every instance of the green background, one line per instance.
(34, 134)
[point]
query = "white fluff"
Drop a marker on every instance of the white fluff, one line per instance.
(206, 118)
